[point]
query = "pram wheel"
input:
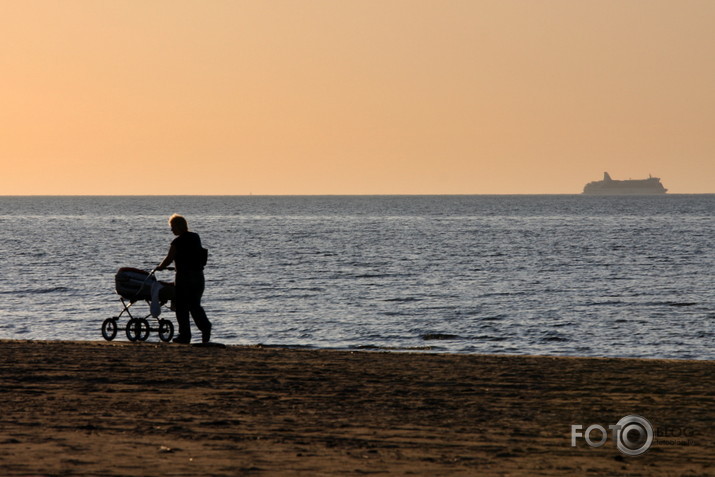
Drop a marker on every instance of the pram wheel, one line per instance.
(137, 329)
(166, 330)
(109, 329)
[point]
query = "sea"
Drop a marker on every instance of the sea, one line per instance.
(559, 275)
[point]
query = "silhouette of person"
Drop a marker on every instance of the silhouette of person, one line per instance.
(189, 258)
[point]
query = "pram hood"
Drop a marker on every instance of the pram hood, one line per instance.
(134, 284)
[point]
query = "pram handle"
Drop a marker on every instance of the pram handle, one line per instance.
(157, 269)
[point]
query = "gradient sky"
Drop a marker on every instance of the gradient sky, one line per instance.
(354, 96)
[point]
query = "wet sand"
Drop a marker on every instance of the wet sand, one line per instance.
(97, 408)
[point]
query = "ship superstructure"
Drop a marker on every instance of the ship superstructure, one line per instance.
(608, 186)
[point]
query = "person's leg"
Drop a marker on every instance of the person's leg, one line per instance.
(182, 302)
(182, 317)
(197, 311)
(202, 322)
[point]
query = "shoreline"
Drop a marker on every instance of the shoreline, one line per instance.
(120, 408)
(419, 350)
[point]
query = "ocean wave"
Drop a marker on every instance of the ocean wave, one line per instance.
(553, 337)
(379, 275)
(394, 348)
(439, 336)
(35, 291)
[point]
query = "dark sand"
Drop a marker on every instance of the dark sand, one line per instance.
(157, 409)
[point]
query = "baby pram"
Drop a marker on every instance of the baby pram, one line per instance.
(135, 285)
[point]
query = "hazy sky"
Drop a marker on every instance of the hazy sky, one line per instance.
(354, 96)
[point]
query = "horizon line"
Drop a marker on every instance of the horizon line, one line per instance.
(351, 195)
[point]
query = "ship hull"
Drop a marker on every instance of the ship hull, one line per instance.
(624, 191)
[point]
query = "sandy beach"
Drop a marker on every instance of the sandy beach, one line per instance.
(98, 408)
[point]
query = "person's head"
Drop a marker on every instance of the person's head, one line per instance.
(178, 224)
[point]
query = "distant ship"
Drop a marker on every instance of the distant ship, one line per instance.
(608, 186)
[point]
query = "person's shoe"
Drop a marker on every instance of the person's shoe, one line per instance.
(206, 335)
(181, 340)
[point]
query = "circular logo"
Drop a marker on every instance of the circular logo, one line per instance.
(634, 435)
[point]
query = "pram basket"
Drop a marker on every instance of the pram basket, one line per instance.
(133, 284)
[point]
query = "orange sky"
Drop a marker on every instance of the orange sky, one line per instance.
(354, 96)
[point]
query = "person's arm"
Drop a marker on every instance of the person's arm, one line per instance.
(169, 258)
